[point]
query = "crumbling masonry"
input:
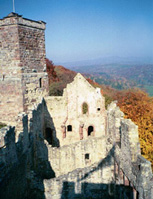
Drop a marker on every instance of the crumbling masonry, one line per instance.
(61, 147)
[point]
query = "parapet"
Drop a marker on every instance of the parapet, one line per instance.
(16, 19)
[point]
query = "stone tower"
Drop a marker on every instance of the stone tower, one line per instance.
(23, 79)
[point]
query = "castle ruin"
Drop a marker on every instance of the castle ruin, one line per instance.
(61, 147)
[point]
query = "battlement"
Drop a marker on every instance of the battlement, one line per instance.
(16, 19)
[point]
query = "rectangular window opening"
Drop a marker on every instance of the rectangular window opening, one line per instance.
(87, 156)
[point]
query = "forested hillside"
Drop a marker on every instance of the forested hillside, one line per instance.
(121, 76)
(59, 77)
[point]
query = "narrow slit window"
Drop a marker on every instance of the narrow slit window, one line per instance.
(40, 82)
(3, 77)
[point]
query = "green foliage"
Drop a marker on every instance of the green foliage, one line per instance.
(108, 100)
(56, 89)
(2, 125)
(63, 77)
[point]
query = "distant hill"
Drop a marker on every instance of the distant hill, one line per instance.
(60, 76)
(107, 60)
(121, 76)
(135, 103)
(116, 76)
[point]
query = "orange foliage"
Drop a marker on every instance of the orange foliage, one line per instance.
(138, 106)
(52, 76)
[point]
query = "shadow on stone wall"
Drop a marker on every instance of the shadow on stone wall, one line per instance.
(78, 184)
(40, 169)
(38, 156)
(49, 128)
(86, 190)
(24, 165)
(107, 161)
(96, 191)
(87, 183)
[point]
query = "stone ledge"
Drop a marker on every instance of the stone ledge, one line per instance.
(15, 19)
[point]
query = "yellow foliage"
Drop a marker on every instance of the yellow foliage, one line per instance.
(138, 106)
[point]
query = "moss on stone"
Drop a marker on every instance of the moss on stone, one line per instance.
(2, 125)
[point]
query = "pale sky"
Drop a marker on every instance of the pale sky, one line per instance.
(90, 29)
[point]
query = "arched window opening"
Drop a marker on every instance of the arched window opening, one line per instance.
(69, 128)
(49, 135)
(90, 130)
(85, 108)
(40, 82)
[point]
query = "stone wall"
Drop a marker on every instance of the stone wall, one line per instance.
(11, 99)
(32, 48)
(98, 167)
(90, 182)
(13, 165)
(35, 86)
(24, 164)
(78, 155)
(22, 65)
(130, 167)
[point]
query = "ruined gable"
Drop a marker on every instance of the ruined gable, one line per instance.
(70, 121)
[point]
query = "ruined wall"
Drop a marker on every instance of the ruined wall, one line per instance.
(33, 90)
(113, 167)
(78, 155)
(131, 168)
(89, 182)
(67, 110)
(22, 64)
(24, 164)
(13, 165)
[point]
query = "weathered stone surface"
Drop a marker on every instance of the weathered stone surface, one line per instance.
(22, 47)
(68, 110)
(66, 147)
(70, 157)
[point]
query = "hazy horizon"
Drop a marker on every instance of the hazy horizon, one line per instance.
(107, 60)
(91, 29)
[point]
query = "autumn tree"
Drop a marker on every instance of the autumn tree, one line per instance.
(50, 69)
(138, 106)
